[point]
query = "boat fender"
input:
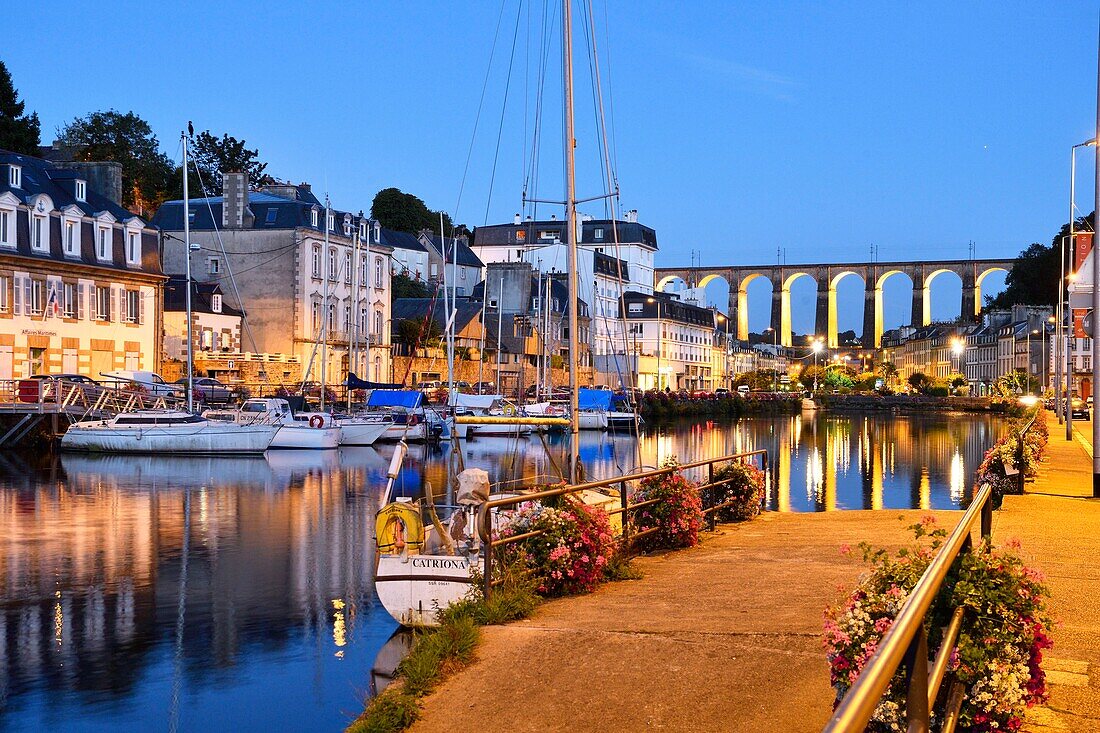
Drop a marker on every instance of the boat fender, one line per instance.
(412, 420)
(399, 528)
(316, 421)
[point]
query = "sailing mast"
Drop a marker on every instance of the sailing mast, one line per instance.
(187, 257)
(571, 236)
(353, 327)
(449, 299)
(325, 308)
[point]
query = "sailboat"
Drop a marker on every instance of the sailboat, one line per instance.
(425, 566)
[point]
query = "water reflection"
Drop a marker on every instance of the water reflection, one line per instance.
(236, 593)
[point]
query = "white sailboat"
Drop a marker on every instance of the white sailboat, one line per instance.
(296, 432)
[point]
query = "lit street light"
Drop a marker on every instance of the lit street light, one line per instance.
(1065, 361)
(817, 347)
(775, 357)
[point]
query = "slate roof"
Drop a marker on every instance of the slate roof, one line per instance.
(175, 291)
(464, 256)
(269, 211)
(43, 177)
(402, 240)
(506, 234)
(466, 311)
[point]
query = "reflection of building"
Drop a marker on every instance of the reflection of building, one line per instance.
(80, 276)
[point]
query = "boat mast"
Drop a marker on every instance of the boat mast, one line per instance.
(500, 326)
(449, 284)
(353, 327)
(325, 308)
(571, 235)
(187, 298)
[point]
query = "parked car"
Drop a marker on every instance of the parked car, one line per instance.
(30, 388)
(1079, 410)
(150, 382)
(721, 392)
(207, 389)
(485, 388)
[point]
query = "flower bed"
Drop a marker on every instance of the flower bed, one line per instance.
(998, 654)
(1006, 454)
(745, 490)
(677, 516)
(571, 554)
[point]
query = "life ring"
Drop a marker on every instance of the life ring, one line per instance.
(399, 527)
(316, 421)
(509, 410)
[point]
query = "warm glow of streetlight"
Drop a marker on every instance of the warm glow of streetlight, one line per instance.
(817, 347)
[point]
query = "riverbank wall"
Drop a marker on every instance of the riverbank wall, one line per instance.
(914, 403)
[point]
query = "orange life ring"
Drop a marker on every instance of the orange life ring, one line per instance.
(316, 421)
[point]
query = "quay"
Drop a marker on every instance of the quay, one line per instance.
(727, 635)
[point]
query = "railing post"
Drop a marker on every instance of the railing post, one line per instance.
(485, 529)
(916, 670)
(711, 491)
(987, 515)
(624, 502)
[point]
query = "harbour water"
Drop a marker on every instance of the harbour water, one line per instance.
(235, 594)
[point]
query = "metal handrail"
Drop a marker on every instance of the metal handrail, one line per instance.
(906, 642)
(484, 523)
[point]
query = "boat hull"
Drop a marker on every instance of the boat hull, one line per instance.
(410, 434)
(185, 440)
(412, 588)
(361, 432)
(303, 437)
(592, 420)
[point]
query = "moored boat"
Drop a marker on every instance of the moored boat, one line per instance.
(304, 431)
(167, 431)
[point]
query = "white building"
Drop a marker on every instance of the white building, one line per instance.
(80, 276)
(614, 258)
(671, 343)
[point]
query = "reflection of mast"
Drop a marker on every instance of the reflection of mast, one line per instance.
(181, 608)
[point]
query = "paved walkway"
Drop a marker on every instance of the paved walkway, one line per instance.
(727, 636)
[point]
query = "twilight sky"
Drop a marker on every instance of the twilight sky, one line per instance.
(819, 128)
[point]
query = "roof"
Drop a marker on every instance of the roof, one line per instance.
(175, 292)
(43, 177)
(466, 311)
(670, 308)
(595, 232)
(559, 294)
(402, 240)
(463, 255)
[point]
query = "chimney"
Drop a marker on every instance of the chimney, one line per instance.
(631, 216)
(103, 177)
(517, 220)
(234, 199)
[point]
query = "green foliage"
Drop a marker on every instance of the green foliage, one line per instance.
(391, 712)
(214, 156)
(404, 212)
(1033, 279)
(19, 132)
(437, 652)
(619, 567)
(416, 331)
(744, 489)
(677, 515)
(513, 599)
(128, 140)
(919, 381)
(403, 286)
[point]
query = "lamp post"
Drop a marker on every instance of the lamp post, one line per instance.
(651, 301)
(726, 349)
(817, 350)
(1065, 362)
(775, 357)
(957, 348)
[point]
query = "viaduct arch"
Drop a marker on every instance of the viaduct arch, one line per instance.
(873, 274)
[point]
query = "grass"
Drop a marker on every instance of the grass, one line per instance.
(392, 711)
(619, 567)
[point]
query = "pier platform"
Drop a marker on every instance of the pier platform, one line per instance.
(727, 636)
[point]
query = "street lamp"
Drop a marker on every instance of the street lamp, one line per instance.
(817, 347)
(1065, 363)
(957, 348)
(775, 357)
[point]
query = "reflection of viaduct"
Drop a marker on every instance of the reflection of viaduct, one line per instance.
(874, 274)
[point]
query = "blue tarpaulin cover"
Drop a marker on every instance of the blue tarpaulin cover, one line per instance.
(593, 399)
(395, 398)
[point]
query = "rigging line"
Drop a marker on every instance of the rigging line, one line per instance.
(526, 90)
(503, 110)
(593, 87)
(611, 96)
(221, 245)
(480, 104)
(540, 94)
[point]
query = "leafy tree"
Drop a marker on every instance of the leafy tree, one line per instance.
(919, 381)
(403, 286)
(19, 132)
(404, 212)
(216, 156)
(413, 331)
(888, 370)
(129, 140)
(1033, 279)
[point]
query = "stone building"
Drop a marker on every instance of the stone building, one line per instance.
(80, 276)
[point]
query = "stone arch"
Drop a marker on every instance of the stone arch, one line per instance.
(786, 336)
(739, 302)
(668, 280)
(925, 305)
(831, 325)
(876, 304)
(979, 278)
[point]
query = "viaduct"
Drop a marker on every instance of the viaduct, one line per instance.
(873, 274)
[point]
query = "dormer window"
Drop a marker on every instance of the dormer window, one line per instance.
(313, 218)
(133, 248)
(598, 233)
(216, 303)
(331, 222)
(103, 243)
(347, 226)
(377, 232)
(363, 230)
(81, 190)
(15, 176)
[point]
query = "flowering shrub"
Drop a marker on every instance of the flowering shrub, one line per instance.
(745, 489)
(677, 516)
(1006, 453)
(570, 556)
(999, 651)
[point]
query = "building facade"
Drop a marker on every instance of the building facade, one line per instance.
(80, 276)
(312, 283)
(672, 342)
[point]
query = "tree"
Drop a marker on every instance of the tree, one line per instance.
(919, 381)
(416, 331)
(129, 140)
(403, 212)
(403, 286)
(888, 370)
(215, 156)
(19, 132)
(1033, 279)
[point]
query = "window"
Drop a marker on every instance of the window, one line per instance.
(634, 308)
(315, 326)
(347, 268)
(332, 263)
(15, 176)
(81, 190)
(69, 361)
(36, 296)
(104, 249)
(378, 324)
(39, 236)
(347, 318)
(133, 249)
(331, 317)
(213, 265)
(313, 217)
(36, 364)
(377, 232)
(347, 227)
(133, 306)
(598, 234)
(272, 212)
(68, 301)
(317, 261)
(6, 219)
(216, 303)
(363, 230)
(72, 238)
(362, 271)
(102, 303)
(331, 222)
(5, 298)
(377, 272)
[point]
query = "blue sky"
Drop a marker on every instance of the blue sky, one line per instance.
(739, 127)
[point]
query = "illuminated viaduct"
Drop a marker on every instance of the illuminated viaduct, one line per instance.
(873, 274)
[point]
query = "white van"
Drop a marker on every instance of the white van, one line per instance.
(150, 381)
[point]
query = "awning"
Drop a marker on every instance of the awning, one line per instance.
(395, 398)
(593, 399)
(354, 382)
